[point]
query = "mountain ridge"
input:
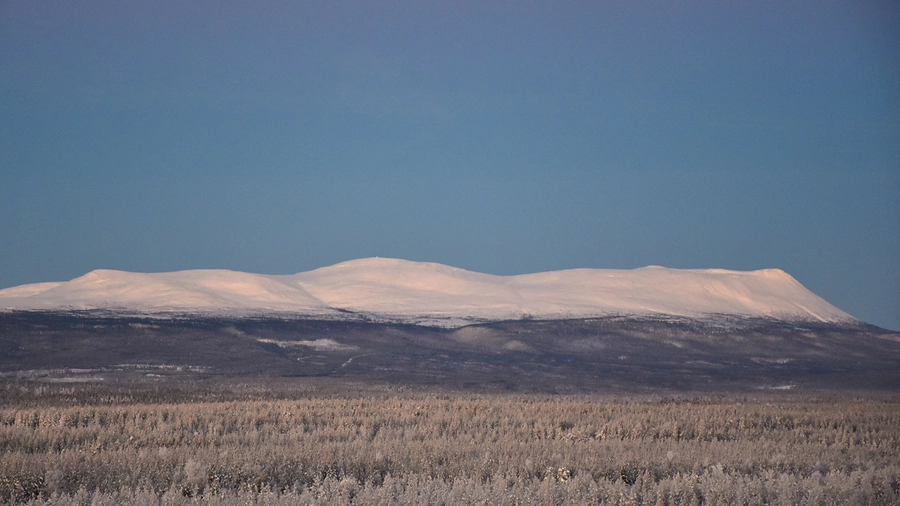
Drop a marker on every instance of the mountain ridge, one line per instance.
(434, 294)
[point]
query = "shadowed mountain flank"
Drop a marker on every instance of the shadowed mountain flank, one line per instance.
(723, 353)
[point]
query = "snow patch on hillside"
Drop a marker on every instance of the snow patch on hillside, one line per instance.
(316, 344)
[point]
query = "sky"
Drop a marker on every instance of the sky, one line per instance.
(501, 137)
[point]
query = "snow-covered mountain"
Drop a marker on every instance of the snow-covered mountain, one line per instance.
(434, 294)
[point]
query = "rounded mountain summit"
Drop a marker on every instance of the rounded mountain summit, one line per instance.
(434, 294)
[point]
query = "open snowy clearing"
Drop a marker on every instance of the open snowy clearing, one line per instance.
(315, 344)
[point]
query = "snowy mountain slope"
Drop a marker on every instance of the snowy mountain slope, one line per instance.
(435, 294)
(197, 290)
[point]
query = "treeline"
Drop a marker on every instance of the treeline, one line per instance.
(454, 450)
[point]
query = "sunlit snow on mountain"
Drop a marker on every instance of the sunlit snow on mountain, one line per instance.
(434, 294)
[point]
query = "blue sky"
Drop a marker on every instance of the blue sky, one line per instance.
(501, 137)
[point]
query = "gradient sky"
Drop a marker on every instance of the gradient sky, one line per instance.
(500, 137)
